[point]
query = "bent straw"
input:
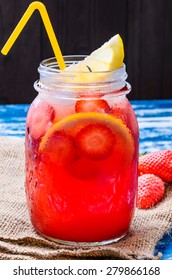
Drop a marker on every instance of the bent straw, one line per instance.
(48, 26)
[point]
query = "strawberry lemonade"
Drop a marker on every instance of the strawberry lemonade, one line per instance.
(82, 149)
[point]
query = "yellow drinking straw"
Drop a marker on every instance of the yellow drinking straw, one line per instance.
(48, 26)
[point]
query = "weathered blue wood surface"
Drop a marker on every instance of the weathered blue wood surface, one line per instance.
(155, 124)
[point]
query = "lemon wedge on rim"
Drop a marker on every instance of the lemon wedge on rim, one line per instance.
(108, 57)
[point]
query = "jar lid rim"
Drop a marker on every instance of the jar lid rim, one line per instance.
(50, 65)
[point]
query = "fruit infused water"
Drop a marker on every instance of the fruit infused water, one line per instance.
(82, 149)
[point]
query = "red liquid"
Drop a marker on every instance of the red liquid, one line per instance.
(84, 199)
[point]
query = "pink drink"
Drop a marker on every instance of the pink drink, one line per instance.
(81, 159)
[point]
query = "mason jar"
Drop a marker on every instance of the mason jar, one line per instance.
(81, 151)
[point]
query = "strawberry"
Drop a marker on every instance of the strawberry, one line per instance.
(158, 163)
(60, 148)
(150, 191)
(118, 113)
(40, 116)
(95, 141)
(97, 105)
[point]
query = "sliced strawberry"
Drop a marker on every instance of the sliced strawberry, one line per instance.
(97, 105)
(60, 148)
(40, 116)
(95, 141)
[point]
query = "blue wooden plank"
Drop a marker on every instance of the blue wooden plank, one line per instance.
(12, 120)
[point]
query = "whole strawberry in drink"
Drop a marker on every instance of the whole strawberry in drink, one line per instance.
(82, 149)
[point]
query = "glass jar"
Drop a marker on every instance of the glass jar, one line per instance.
(81, 155)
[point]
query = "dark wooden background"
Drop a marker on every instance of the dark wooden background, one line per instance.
(82, 26)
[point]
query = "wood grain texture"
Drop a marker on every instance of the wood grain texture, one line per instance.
(167, 51)
(82, 26)
(17, 69)
(152, 41)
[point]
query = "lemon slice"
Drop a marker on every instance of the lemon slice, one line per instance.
(73, 124)
(108, 57)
